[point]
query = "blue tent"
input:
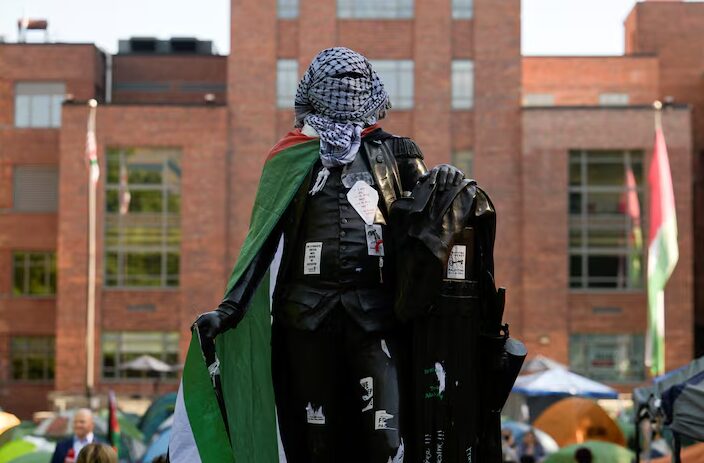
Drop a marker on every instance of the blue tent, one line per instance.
(561, 382)
(158, 446)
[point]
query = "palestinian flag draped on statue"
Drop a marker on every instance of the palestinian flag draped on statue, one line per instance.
(662, 251)
(199, 433)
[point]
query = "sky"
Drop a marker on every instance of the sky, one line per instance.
(550, 27)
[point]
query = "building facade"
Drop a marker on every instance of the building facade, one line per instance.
(182, 135)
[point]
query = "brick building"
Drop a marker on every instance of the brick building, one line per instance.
(189, 131)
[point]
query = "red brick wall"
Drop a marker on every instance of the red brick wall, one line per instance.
(580, 80)
(78, 66)
(172, 71)
(497, 137)
(676, 33)
(431, 39)
(550, 307)
(203, 267)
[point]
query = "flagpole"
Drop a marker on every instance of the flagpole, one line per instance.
(92, 193)
(657, 104)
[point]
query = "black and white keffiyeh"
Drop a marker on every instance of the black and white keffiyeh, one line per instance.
(340, 94)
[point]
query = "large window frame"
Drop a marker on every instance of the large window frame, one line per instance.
(592, 355)
(160, 230)
(26, 265)
(462, 78)
(398, 79)
(587, 227)
(287, 9)
(463, 159)
(286, 83)
(120, 347)
(38, 104)
(375, 9)
(32, 355)
(462, 9)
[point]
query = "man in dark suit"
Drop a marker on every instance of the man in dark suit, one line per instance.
(67, 450)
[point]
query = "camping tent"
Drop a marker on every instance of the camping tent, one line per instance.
(676, 399)
(561, 382)
(540, 390)
(574, 420)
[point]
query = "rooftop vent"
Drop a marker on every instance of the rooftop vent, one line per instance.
(143, 44)
(175, 45)
(184, 45)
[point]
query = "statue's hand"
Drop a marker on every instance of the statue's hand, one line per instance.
(210, 324)
(445, 176)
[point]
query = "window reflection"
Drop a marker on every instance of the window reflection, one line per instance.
(605, 227)
(121, 347)
(142, 217)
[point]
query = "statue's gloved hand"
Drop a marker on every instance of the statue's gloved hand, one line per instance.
(215, 322)
(445, 175)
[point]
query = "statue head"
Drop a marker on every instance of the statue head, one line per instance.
(340, 85)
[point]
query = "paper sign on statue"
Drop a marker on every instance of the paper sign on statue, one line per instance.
(364, 199)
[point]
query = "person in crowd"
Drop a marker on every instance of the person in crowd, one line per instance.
(67, 450)
(583, 455)
(97, 453)
(508, 446)
(530, 450)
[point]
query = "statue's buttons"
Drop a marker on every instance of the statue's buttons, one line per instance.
(344, 221)
(342, 233)
(379, 158)
(341, 196)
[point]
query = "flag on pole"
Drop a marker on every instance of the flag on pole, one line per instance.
(124, 195)
(113, 423)
(242, 369)
(92, 145)
(631, 208)
(662, 250)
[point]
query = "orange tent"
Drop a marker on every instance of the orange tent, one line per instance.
(574, 420)
(692, 454)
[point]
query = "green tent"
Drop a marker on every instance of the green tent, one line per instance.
(603, 452)
(34, 457)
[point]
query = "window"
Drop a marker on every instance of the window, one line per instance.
(608, 357)
(32, 358)
(605, 224)
(464, 160)
(462, 84)
(34, 273)
(539, 99)
(286, 82)
(121, 347)
(38, 104)
(35, 188)
(613, 99)
(142, 217)
(287, 9)
(397, 76)
(462, 9)
(375, 9)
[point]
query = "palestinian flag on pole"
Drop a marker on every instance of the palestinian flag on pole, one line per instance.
(199, 433)
(113, 423)
(662, 251)
(91, 144)
(635, 235)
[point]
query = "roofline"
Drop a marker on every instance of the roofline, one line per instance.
(632, 56)
(161, 55)
(136, 103)
(675, 106)
(34, 44)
